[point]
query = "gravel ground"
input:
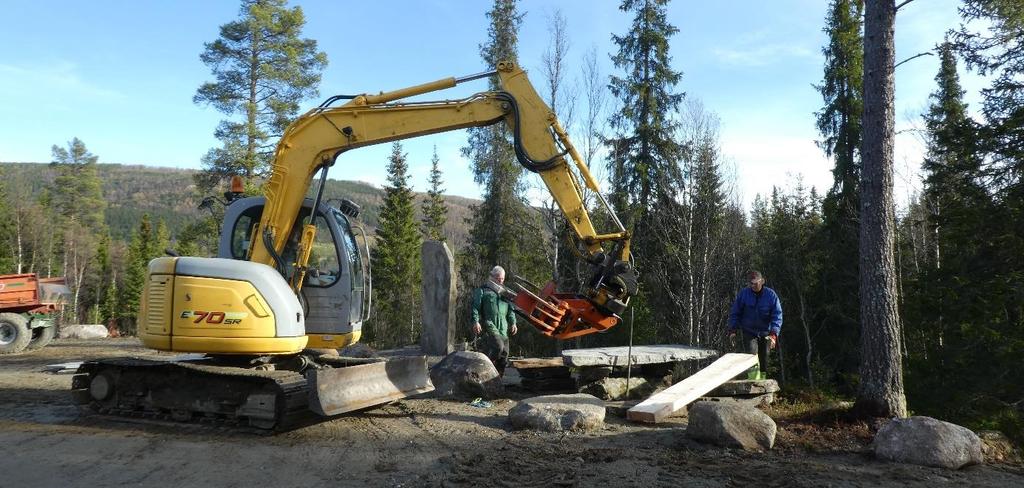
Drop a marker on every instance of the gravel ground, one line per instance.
(415, 442)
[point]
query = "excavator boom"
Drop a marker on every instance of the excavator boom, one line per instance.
(316, 139)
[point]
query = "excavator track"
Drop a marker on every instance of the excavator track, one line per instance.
(265, 401)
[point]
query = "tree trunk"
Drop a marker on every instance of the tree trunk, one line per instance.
(881, 382)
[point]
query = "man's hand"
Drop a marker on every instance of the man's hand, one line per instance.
(772, 340)
(513, 330)
(477, 329)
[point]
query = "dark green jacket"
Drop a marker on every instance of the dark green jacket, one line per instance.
(492, 312)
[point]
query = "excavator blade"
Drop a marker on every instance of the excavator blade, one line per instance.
(334, 391)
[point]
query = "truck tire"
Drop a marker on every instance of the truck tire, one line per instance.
(14, 333)
(41, 336)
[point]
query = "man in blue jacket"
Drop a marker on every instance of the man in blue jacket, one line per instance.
(757, 316)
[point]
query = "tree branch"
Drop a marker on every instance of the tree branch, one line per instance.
(898, 7)
(926, 53)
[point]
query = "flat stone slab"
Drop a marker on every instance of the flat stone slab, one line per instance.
(617, 356)
(745, 387)
(557, 413)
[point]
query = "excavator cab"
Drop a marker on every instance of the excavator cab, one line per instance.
(335, 294)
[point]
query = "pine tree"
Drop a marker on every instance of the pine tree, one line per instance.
(76, 193)
(435, 212)
(76, 197)
(839, 123)
(263, 69)
(396, 261)
(880, 393)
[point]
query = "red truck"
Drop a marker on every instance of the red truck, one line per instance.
(27, 307)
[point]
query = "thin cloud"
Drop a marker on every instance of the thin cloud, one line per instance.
(58, 80)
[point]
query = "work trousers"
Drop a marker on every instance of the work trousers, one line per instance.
(495, 346)
(752, 344)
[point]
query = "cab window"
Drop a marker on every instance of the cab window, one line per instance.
(324, 267)
(351, 251)
(241, 234)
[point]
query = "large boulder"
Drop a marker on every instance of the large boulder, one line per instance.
(615, 388)
(929, 442)
(731, 425)
(557, 413)
(83, 331)
(466, 374)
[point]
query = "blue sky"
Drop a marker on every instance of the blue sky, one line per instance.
(120, 75)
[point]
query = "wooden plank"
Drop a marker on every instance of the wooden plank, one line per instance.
(528, 363)
(664, 404)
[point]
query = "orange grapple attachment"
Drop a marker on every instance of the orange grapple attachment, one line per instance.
(560, 315)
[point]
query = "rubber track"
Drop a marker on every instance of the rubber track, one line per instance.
(290, 388)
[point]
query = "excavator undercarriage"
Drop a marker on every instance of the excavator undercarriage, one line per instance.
(266, 394)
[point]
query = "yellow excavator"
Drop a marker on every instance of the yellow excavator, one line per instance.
(291, 279)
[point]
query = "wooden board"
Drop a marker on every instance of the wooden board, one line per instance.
(529, 363)
(664, 404)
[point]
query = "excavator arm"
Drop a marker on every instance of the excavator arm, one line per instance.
(317, 138)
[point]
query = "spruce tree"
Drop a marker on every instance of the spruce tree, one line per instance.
(840, 126)
(396, 261)
(644, 155)
(147, 243)
(503, 230)
(435, 212)
(263, 69)
(643, 165)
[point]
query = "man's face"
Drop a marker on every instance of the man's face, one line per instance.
(756, 284)
(500, 279)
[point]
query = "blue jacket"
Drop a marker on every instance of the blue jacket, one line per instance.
(757, 315)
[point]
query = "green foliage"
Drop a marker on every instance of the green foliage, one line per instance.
(8, 230)
(965, 322)
(644, 152)
(839, 123)
(787, 254)
(643, 163)
(147, 243)
(435, 212)
(396, 262)
(263, 69)
(76, 192)
(503, 229)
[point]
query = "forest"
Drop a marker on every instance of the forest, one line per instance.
(909, 309)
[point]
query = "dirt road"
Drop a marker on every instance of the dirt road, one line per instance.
(424, 442)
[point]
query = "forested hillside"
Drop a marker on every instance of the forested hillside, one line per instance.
(170, 195)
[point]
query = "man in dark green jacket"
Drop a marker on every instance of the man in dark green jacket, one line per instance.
(494, 319)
